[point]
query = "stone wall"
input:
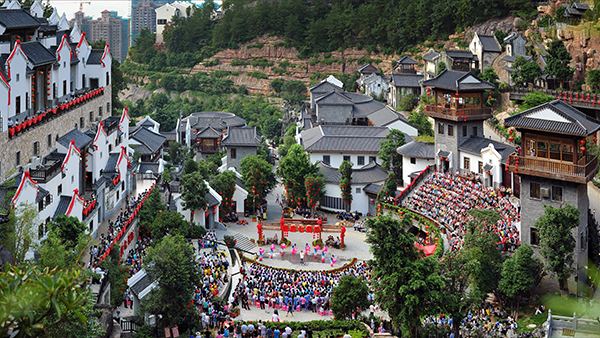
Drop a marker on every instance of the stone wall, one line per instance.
(241, 153)
(58, 126)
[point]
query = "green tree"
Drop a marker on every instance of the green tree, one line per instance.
(169, 222)
(68, 229)
(389, 188)
(18, 234)
(294, 167)
(490, 76)
(30, 297)
(593, 78)
(407, 285)
(519, 274)
(535, 99)
(315, 190)
(557, 244)
(294, 91)
(151, 207)
(349, 297)
(118, 84)
(421, 121)
(277, 85)
(224, 185)
(526, 71)
(193, 193)
(190, 166)
(441, 67)
(346, 183)
(177, 153)
(558, 60)
(172, 263)
(259, 179)
(409, 102)
(391, 159)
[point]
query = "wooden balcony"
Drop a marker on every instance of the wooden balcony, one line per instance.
(453, 114)
(46, 173)
(563, 171)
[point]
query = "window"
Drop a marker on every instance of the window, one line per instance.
(91, 116)
(26, 101)
(464, 131)
(583, 240)
(36, 148)
(372, 159)
(40, 208)
(83, 76)
(72, 178)
(534, 190)
(557, 194)
(122, 185)
(18, 158)
(534, 236)
(450, 130)
(71, 86)
(64, 87)
(92, 226)
(474, 131)
(347, 158)
(81, 122)
(361, 160)
(413, 160)
(59, 190)
(100, 112)
(326, 159)
(18, 77)
(358, 190)
(117, 195)
(54, 90)
(480, 165)
(107, 79)
(107, 106)
(18, 105)
(441, 128)
(467, 163)
(161, 21)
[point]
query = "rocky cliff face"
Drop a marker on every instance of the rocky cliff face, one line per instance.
(345, 61)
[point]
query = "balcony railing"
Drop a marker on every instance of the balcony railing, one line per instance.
(60, 109)
(458, 114)
(46, 173)
(554, 169)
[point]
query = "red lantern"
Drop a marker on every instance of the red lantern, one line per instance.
(511, 131)
(582, 142)
(582, 149)
(511, 139)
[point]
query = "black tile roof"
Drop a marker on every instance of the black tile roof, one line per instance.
(153, 141)
(406, 60)
(334, 98)
(329, 138)
(371, 173)
(581, 6)
(431, 56)
(37, 53)
(17, 18)
(458, 81)
(63, 205)
(474, 145)
(95, 57)
(373, 188)
(566, 120)
(208, 132)
(406, 80)
(489, 43)
(385, 116)
(212, 200)
(41, 194)
(368, 68)
(244, 136)
(141, 284)
(169, 135)
(111, 163)
(149, 166)
(324, 86)
(512, 58)
(81, 139)
(459, 54)
(417, 149)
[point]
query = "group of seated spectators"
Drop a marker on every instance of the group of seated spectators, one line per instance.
(115, 227)
(334, 243)
(208, 241)
(360, 226)
(231, 217)
(448, 198)
(489, 320)
(213, 267)
(293, 290)
(348, 216)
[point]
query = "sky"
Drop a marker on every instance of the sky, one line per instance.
(94, 9)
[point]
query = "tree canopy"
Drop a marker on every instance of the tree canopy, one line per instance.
(259, 179)
(194, 191)
(349, 297)
(391, 159)
(346, 183)
(526, 71)
(224, 185)
(558, 60)
(294, 167)
(557, 244)
(68, 229)
(519, 273)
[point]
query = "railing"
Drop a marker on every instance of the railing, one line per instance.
(90, 206)
(579, 99)
(47, 173)
(458, 113)
(129, 326)
(415, 182)
(573, 323)
(60, 109)
(563, 168)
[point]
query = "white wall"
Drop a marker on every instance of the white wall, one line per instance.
(63, 72)
(360, 201)
(16, 68)
(409, 168)
(239, 196)
(70, 168)
(338, 158)
(100, 153)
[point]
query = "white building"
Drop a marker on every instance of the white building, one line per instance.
(416, 156)
(165, 13)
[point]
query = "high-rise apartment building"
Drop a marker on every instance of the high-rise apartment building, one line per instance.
(109, 27)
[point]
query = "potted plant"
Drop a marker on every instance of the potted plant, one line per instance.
(253, 240)
(260, 242)
(343, 246)
(234, 312)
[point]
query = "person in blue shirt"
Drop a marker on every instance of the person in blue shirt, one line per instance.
(276, 333)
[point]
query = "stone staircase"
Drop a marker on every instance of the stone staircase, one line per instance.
(243, 242)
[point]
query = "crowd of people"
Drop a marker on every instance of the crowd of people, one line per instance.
(447, 198)
(348, 216)
(291, 290)
(115, 227)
